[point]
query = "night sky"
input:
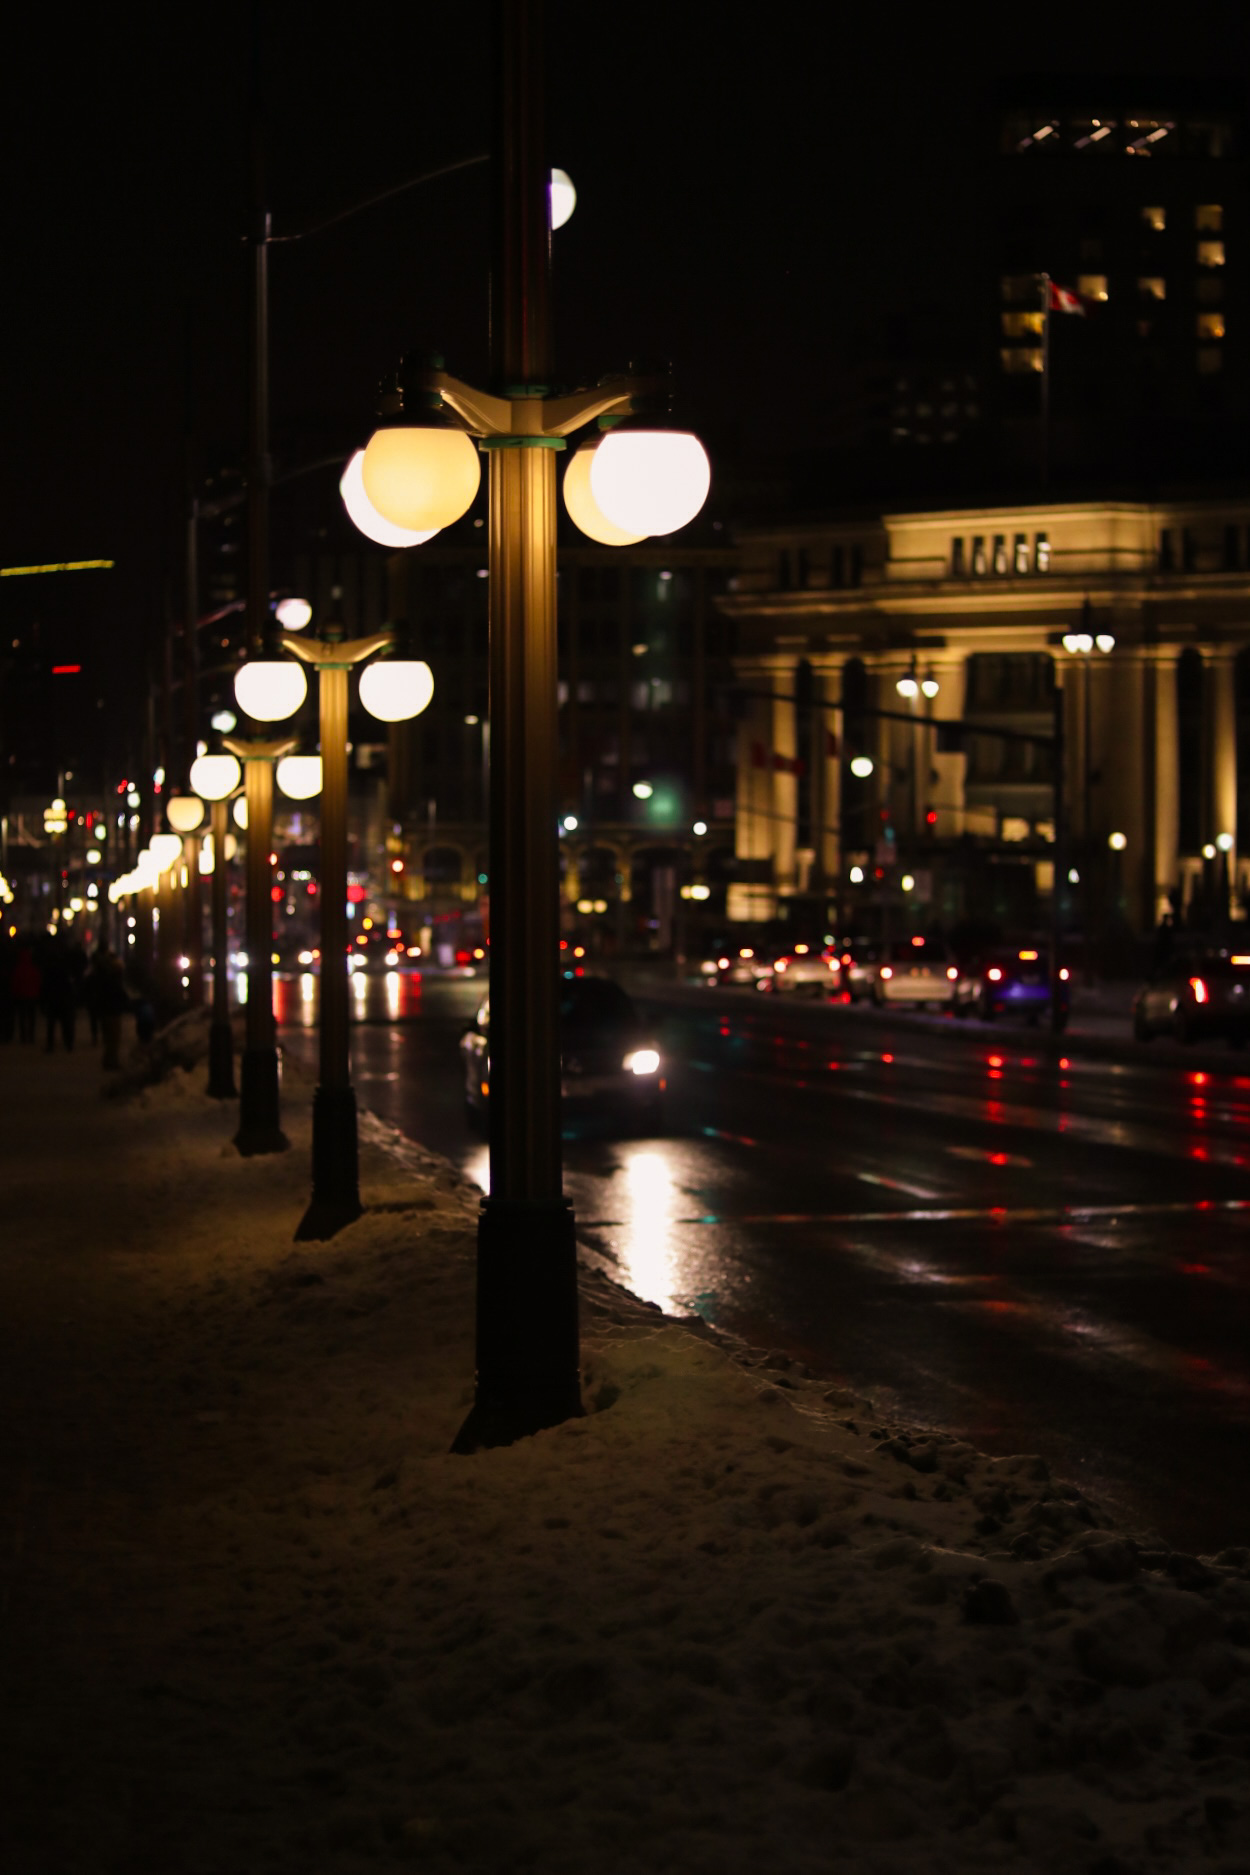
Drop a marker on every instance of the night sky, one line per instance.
(759, 190)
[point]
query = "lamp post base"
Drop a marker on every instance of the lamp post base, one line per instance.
(259, 1128)
(336, 1182)
(527, 1343)
(221, 1062)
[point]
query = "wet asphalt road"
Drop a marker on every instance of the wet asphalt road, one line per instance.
(1036, 1246)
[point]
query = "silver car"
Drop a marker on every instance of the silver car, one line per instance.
(915, 971)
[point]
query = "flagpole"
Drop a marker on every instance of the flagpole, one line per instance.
(1045, 409)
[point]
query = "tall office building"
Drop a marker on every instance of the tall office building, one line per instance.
(1128, 194)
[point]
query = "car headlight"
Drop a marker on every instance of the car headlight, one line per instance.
(642, 1061)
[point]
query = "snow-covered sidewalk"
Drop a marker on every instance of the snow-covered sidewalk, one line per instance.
(256, 1617)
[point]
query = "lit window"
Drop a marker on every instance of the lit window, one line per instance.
(1209, 218)
(1153, 285)
(1210, 253)
(1210, 360)
(1018, 325)
(1020, 555)
(1041, 553)
(1017, 358)
(1156, 218)
(1000, 554)
(1092, 285)
(978, 555)
(1210, 325)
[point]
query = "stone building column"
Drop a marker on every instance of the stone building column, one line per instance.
(1167, 778)
(1219, 674)
(785, 782)
(827, 774)
(951, 670)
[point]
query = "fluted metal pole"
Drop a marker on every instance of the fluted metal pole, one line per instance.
(220, 1038)
(260, 1128)
(527, 1330)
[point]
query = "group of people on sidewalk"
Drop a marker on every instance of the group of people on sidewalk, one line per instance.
(52, 976)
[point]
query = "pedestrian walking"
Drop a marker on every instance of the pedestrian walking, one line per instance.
(112, 1002)
(57, 994)
(27, 982)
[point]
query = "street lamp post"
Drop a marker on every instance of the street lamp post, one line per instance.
(215, 778)
(335, 1198)
(645, 478)
(260, 1127)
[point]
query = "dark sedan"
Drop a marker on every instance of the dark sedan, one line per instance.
(1010, 982)
(610, 1068)
(1196, 994)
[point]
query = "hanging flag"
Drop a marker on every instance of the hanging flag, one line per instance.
(1062, 300)
(788, 765)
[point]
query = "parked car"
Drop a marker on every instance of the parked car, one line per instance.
(1010, 981)
(610, 1066)
(859, 958)
(914, 970)
(738, 964)
(1197, 993)
(807, 970)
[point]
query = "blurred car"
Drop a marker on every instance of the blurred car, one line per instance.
(1197, 993)
(807, 971)
(610, 1066)
(1010, 981)
(740, 965)
(858, 958)
(913, 970)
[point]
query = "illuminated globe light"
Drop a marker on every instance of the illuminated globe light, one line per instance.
(395, 689)
(270, 688)
(650, 481)
(362, 513)
(930, 686)
(293, 614)
(563, 198)
(1105, 642)
(643, 790)
(239, 813)
(907, 687)
(570, 823)
(166, 849)
(299, 776)
(224, 720)
(583, 509)
(215, 776)
(184, 812)
(1117, 842)
(857, 875)
(1225, 842)
(861, 766)
(421, 477)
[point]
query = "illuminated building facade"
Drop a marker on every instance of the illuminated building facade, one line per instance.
(968, 611)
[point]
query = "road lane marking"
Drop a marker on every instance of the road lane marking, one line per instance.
(898, 1184)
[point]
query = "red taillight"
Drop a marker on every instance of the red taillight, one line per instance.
(1199, 989)
(952, 973)
(995, 976)
(1064, 975)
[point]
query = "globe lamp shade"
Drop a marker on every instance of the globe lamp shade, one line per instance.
(238, 813)
(421, 478)
(583, 509)
(270, 688)
(395, 689)
(299, 776)
(215, 776)
(363, 515)
(563, 198)
(293, 614)
(650, 481)
(184, 812)
(166, 849)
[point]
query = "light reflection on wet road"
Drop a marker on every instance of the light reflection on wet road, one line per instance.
(1043, 1250)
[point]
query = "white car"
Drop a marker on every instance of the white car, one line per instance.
(807, 971)
(915, 971)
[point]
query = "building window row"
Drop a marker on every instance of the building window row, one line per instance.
(1181, 551)
(972, 558)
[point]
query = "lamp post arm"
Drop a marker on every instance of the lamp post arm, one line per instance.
(324, 654)
(487, 415)
(372, 201)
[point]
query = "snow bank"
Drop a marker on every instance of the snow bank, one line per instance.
(730, 1620)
